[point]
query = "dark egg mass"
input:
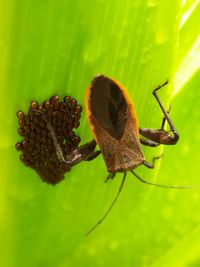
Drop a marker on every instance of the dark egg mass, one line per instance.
(37, 147)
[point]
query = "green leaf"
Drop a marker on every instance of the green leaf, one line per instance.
(57, 47)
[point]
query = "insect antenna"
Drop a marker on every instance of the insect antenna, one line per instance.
(159, 185)
(110, 208)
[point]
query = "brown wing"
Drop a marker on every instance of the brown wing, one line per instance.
(108, 106)
(113, 122)
(119, 155)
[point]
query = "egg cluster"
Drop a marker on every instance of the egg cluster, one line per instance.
(37, 147)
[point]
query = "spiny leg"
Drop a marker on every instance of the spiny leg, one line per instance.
(159, 185)
(77, 155)
(110, 208)
(161, 136)
(164, 119)
(56, 144)
(173, 139)
(84, 152)
(148, 142)
(53, 136)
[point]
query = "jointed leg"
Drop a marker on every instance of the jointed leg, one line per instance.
(148, 142)
(164, 119)
(171, 139)
(151, 165)
(110, 176)
(144, 131)
(84, 152)
(161, 136)
(92, 155)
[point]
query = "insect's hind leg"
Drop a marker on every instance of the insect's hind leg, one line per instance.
(146, 131)
(164, 119)
(148, 142)
(171, 139)
(161, 136)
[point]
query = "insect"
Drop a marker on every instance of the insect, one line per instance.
(114, 125)
(54, 119)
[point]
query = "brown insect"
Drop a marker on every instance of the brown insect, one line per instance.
(114, 125)
(113, 122)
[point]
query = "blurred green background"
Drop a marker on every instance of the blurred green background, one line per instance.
(56, 47)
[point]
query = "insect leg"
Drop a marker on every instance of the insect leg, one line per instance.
(147, 142)
(53, 136)
(151, 165)
(164, 119)
(171, 139)
(92, 155)
(56, 144)
(84, 152)
(159, 185)
(160, 135)
(110, 176)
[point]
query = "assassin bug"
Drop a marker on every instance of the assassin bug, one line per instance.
(113, 122)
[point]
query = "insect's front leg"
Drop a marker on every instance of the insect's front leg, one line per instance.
(160, 136)
(85, 152)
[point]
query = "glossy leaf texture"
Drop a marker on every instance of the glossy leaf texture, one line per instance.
(56, 48)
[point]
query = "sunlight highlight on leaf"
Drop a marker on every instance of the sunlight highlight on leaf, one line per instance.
(188, 246)
(188, 67)
(187, 14)
(55, 48)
